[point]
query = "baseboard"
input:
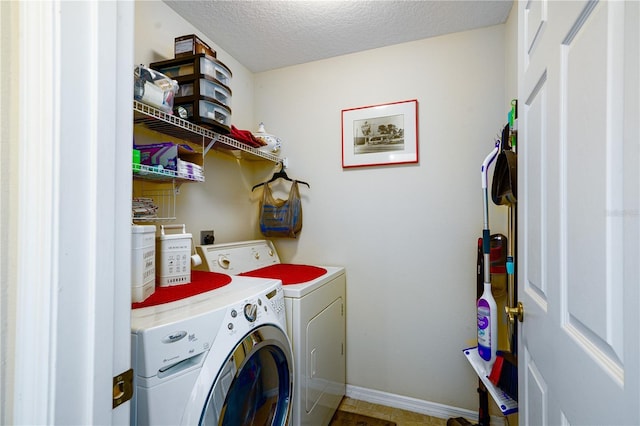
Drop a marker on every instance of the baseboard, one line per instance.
(416, 405)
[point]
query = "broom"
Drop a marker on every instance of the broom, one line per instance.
(504, 374)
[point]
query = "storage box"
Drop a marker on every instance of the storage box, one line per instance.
(214, 111)
(188, 45)
(173, 257)
(205, 87)
(154, 88)
(217, 70)
(194, 66)
(143, 262)
(206, 112)
(166, 154)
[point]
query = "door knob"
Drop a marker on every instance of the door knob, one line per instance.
(517, 312)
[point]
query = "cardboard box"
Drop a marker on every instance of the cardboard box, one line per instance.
(166, 154)
(191, 44)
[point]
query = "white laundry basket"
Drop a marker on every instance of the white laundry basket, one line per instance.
(173, 257)
(143, 262)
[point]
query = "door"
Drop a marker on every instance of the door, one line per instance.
(72, 210)
(578, 213)
(324, 372)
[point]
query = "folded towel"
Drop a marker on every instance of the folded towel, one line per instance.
(190, 170)
(246, 137)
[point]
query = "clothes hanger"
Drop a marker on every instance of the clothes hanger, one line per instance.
(280, 175)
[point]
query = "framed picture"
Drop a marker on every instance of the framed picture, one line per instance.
(380, 135)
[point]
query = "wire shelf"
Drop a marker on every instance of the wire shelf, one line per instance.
(143, 171)
(155, 205)
(157, 120)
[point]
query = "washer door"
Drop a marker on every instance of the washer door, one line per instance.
(256, 382)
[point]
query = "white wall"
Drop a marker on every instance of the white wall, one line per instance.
(406, 234)
(511, 55)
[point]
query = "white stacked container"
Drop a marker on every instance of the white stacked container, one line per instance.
(173, 257)
(143, 262)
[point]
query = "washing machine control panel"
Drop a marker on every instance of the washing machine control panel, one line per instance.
(267, 307)
(243, 316)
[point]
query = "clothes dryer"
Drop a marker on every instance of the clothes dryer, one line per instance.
(221, 357)
(315, 300)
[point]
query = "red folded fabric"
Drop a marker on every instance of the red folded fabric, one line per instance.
(200, 282)
(288, 273)
(246, 137)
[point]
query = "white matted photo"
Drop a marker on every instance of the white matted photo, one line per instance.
(380, 135)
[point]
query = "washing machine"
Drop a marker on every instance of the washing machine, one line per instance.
(212, 352)
(315, 303)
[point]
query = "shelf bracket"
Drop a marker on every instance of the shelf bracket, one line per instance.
(210, 145)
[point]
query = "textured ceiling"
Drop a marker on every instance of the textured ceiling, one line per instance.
(265, 35)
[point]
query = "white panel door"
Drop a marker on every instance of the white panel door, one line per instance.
(74, 211)
(579, 232)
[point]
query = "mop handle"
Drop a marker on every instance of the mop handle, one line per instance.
(486, 234)
(483, 174)
(487, 162)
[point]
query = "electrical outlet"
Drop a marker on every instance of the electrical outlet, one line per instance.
(206, 237)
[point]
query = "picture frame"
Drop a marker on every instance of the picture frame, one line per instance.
(380, 135)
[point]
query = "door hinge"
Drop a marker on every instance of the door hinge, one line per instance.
(122, 387)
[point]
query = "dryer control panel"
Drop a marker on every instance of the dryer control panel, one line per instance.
(236, 258)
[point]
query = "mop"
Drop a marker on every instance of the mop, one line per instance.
(487, 308)
(489, 353)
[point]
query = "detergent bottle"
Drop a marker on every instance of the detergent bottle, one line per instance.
(487, 327)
